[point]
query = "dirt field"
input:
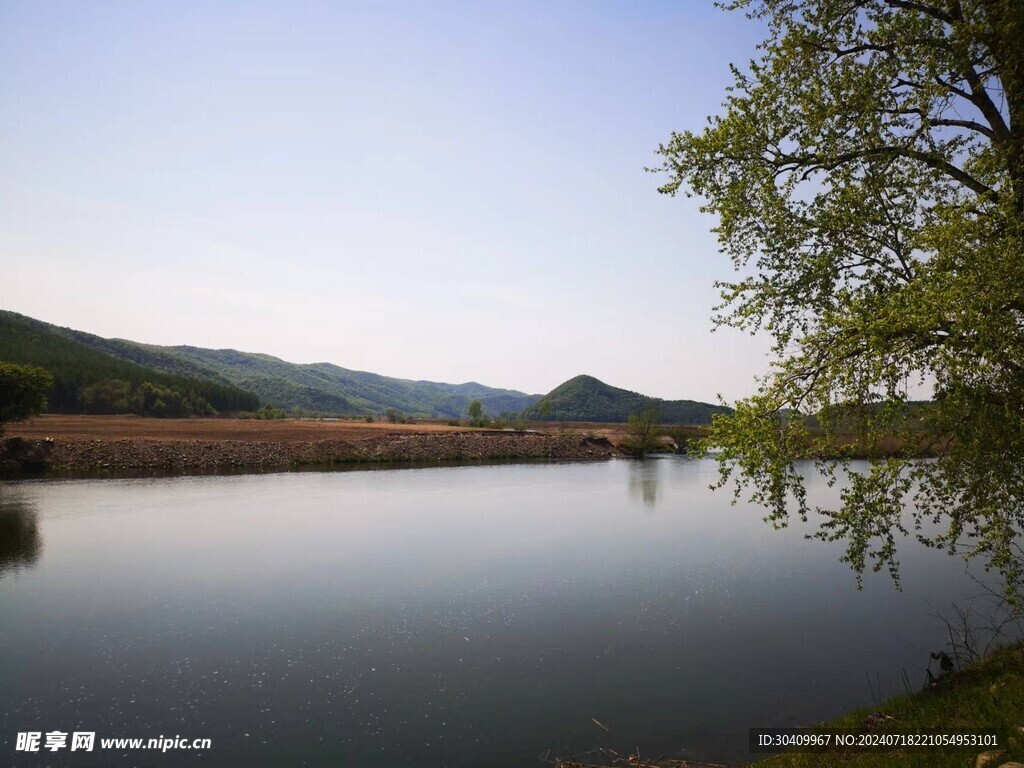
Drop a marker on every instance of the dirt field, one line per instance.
(140, 427)
(279, 430)
(133, 443)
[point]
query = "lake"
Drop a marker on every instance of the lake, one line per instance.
(446, 616)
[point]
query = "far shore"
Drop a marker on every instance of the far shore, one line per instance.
(75, 443)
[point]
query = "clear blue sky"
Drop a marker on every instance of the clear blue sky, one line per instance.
(449, 191)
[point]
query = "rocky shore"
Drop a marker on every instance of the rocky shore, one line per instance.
(20, 456)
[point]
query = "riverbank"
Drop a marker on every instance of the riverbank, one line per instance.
(987, 696)
(126, 444)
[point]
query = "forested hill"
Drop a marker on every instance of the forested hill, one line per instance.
(324, 387)
(495, 401)
(90, 380)
(584, 398)
(93, 374)
(91, 371)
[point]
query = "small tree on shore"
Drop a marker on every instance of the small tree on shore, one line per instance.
(23, 392)
(641, 438)
(476, 413)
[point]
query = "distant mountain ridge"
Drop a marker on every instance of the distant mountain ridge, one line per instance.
(230, 380)
(584, 398)
(89, 378)
(319, 388)
(325, 387)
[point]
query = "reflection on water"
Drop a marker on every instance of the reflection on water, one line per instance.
(440, 617)
(643, 480)
(20, 542)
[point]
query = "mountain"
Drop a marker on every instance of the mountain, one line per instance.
(324, 387)
(494, 401)
(318, 387)
(584, 398)
(99, 375)
(90, 378)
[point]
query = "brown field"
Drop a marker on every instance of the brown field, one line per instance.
(80, 427)
(284, 430)
(105, 444)
(280, 430)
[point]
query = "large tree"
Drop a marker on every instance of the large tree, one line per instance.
(867, 175)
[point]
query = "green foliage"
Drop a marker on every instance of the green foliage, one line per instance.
(641, 437)
(266, 413)
(162, 401)
(270, 412)
(585, 398)
(476, 414)
(110, 396)
(147, 399)
(395, 416)
(23, 391)
(81, 369)
(543, 409)
(867, 174)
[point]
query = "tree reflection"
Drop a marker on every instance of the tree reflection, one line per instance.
(20, 542)
(643, 481)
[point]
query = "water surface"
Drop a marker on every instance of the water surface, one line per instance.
(437, 617)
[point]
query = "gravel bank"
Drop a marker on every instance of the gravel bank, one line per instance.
(126, 454)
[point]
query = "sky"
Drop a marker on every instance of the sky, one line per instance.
(430, 190)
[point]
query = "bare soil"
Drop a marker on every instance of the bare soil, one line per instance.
(142, 428)
(133, 443)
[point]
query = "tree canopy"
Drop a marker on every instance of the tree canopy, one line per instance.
(640, 438)
(475, 411)
(23, 391)
(867, 175)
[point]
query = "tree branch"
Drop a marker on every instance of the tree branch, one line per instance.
(980, 98)
(927, 10)
(932, 161)
(971, 125)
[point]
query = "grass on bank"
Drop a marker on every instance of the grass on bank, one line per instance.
(987, 695)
